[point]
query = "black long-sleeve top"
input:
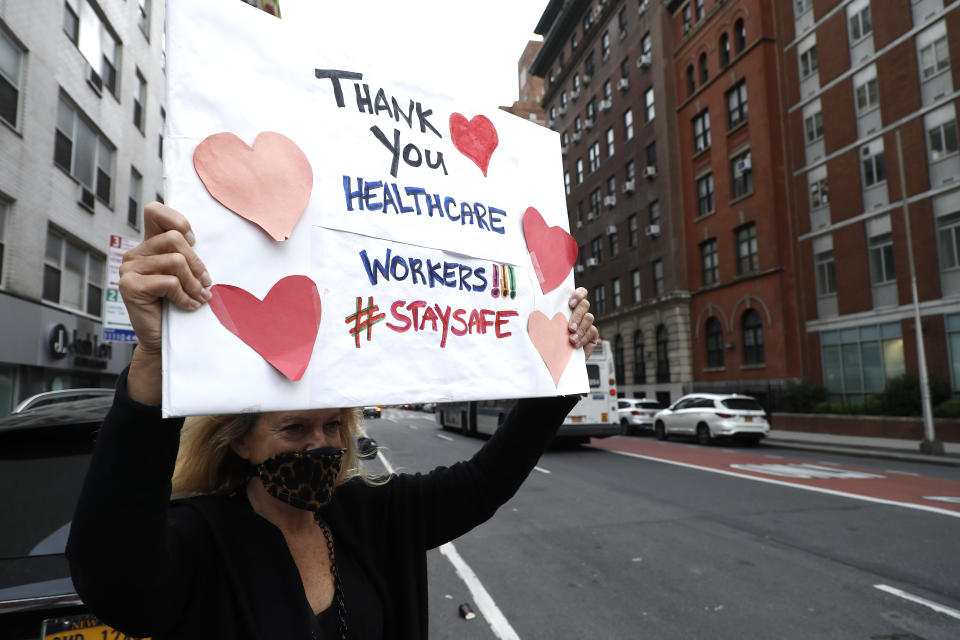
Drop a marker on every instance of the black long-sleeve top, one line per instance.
(211, 567)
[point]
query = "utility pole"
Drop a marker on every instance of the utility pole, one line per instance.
(930, 444)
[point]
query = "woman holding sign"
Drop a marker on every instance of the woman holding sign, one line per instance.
(283, 536)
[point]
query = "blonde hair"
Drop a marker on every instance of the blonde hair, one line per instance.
(207, 464)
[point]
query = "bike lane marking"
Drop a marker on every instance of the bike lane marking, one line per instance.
(915, 492)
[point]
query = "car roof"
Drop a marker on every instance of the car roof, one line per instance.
(717, 396)
(86, 411)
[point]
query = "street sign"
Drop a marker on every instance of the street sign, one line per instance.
(116, 322)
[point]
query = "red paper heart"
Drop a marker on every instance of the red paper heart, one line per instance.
(282, 328)
(475, 139)
(551, 337)
(553, 251)
(268, 184)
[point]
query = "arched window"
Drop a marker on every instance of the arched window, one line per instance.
(703, 69)
(714, 334)
(724, 50)
(663, 359)
(618, 369)
(752, 338)
(691, 82)
(739, 35)
(639, 359)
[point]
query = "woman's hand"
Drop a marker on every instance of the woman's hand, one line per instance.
(164, 265)
(582, 331)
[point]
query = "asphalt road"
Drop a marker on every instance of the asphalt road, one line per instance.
(675, 542)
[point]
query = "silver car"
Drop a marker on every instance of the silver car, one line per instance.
(636, 414)
(707, 416)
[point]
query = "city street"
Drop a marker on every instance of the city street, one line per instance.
(635, 538)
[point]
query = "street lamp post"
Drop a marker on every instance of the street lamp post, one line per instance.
(930, 444)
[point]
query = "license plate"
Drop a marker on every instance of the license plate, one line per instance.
(748, 419)
(85, 626)
(576, 419)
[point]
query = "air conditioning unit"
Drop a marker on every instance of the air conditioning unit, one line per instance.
(606, 104)
(629, 186)
(550, 124)
(586, 78)
(553, 78)
(562, 110)
(563, 150)
(611, 230)
(579, 224)
(623, 84)
(645, 61)
(592, 262)
(590, 216)
(588, 124)
(576, 136)
(642, 8)
(652, 230)
(579, 268)
(741, 166)
(610, 200)
(575, 94)
(649, 172)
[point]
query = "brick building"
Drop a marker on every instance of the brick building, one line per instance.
(739, 252)
(856, 73)
(530, 90)
(609, 93)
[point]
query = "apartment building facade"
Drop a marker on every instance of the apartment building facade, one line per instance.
(739, 251)
(609, 93)
(529, 89)
(81, 121)
(856, 74)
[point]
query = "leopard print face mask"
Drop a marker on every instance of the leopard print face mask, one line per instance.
(303, 479)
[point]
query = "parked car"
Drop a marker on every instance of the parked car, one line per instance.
(636, 414)
(371, 412)
(707, 416)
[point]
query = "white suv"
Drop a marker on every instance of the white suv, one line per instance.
(636, 414)
(709, 415)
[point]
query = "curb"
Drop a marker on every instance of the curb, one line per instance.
(949, 461)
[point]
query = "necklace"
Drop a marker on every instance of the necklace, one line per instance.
(337, 585)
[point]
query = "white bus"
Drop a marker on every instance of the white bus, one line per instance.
(595, 416)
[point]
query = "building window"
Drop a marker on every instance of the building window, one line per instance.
(857, 361)
(163, 126)
(605, 45)
(649, 112)
(592, 111)
(704, 75)
(709, 263)
(714, 334)
(143, 17)
(741, 175)
(632, 231)
(631, 170)
(610, 145)
(691, 80)
(819, 190)
(72, 276)
(573, 41)
(628, 124)
(873, 163)
(589, 67)
(615, 286)
(801, 7)
(882, 266)
(71, 20)
(595, 201)
(813, 123)
(11, 65)
(739, 35)
(139, 102)
(622, 22)
(651, 154)
(607, 90)
(663, 355)
(553, 113)
(625, 68)
(724, 50)
(865, 89)
(639, 359)
(580, 218)
(614, 250)
(618, 369)
(3, 226)
(600, 298)
(858, 17)
(658, 277)
(701, 131)
(705, 195)
(596, 249)
(646, 43)
(948, 236)
(612, 186)
(752, 338)
(564, 139)
(133, 204)
(747, 260)
(579, 170)
(95, 41)
(808, 61)
(934, 58)
(654, 210)
(635, 285)
(84, 153)
(577, 127)
(593, 157)
(566, 182)
(737, 105)
(698, 9)
(941, 133)
(826, 274)
(685, 13)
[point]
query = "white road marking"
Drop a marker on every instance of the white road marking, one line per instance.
(843, 494)
(386, 464)
(498, 623)
(412, 426)
(939, 608)
(902, 473)
(951, 499)
(542, 470)
(443, 437)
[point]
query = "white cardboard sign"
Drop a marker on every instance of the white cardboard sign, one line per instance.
(431, 253)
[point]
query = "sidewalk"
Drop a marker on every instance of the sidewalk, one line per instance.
(891, 448)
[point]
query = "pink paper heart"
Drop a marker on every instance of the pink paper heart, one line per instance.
(553, 251)
(269, 184)
(281, 328)
(551, 338)
(475, 139)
